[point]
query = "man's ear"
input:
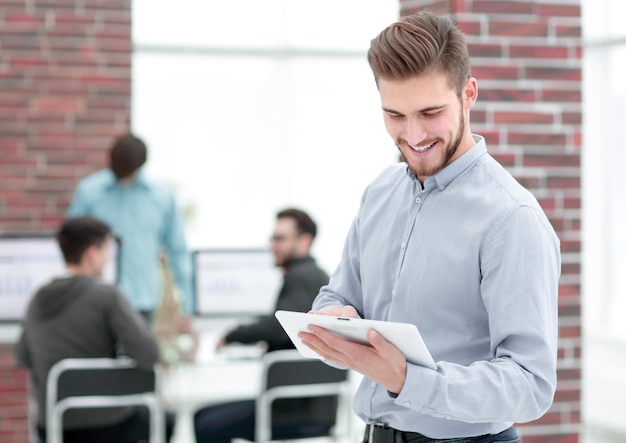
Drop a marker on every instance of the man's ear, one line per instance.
(470, 93)
(89, 255)
(305, 241)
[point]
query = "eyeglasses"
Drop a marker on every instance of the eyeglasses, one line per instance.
(278, 238)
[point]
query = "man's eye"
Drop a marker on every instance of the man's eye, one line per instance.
(431, 114)
(395, 116)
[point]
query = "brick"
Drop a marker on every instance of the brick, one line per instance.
(74, 18)
(539, 51)
(559, 10)
(115, 17)
(563, 183)
(562, 95)
(58, 104)
(547, 203)
(114, 31)
(506, 159)
(498, 6)
(491, 94)
(549, 418)
(496, 72)
(435, 6)
(538, 118)
(22, 42)
(570, 246)
(485, 50)
(570, 269)
(537, 139)
(572, 202)
(570, 310)
(572, 118)
(551, 73)
(528, 182)
(551, 161)
(569, 374)
(54, 5)
(479, 116)
(517, 29)
(569, 394)
(116, 60)
(573, 31)
(70, 30)
(470, 27)
(113, 45)
(116, 5)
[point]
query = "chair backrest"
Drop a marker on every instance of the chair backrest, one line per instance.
(286, 374)
(77, 383)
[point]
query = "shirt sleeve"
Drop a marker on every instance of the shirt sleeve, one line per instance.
(520, 269)
(344, 287)
(78, 203)
(179, 258)
(132, 332)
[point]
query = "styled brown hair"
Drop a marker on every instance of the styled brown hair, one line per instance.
(417, 44)
(127, 155)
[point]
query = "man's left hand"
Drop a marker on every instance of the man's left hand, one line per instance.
(381, 362)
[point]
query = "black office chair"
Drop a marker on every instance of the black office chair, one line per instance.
(286, 374)
(101, 382)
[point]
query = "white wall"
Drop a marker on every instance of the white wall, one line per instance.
(248, 107)
(604, 215)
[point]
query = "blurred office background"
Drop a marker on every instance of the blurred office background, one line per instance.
(250, 106)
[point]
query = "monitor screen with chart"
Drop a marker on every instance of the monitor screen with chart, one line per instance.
(28, 262)
(232, 282)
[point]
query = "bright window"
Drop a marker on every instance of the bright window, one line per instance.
(249, 106)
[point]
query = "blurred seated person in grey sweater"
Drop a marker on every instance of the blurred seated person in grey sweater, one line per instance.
(291, 242)
(76, 315)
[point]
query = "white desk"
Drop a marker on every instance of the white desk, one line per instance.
(217, 378)
(211, 378)
(188, 387)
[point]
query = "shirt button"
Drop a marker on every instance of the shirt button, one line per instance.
(407, 403)
(373, 385)
(403, 245)
(418, 200)
(448, 418)
(442, 187)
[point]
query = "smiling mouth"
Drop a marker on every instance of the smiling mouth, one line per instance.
(422, 148)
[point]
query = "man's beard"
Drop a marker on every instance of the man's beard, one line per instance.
(449, 152)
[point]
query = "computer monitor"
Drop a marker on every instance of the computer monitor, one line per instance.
(28, 262)
(234, 282)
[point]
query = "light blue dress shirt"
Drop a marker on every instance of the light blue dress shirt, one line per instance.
(471, 259)
(145, 217)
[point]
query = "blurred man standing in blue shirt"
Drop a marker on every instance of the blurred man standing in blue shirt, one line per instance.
(145, 216)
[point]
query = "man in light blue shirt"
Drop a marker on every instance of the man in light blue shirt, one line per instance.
(450, 242)
(145, 216)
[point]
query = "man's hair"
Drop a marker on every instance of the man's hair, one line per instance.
(304, 223)
(76, 235)
(418, 44)
(127, 155)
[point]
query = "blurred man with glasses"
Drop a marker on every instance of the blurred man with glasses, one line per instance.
(291, 242)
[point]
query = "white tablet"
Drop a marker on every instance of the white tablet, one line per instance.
(404, 336)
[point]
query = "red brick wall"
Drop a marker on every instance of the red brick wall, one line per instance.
(526, 56)
(64, 93)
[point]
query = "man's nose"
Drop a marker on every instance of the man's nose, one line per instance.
(415, 132)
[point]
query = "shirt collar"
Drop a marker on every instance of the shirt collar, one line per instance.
(141, 181)
(444, 177)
